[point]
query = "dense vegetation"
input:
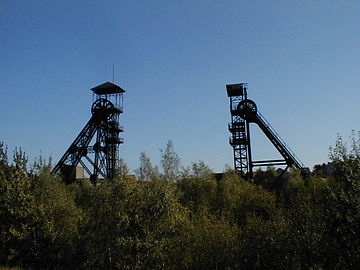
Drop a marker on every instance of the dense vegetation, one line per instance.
(180, 218)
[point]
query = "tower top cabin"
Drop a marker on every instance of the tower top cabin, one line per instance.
(110, 92)
(237, 89)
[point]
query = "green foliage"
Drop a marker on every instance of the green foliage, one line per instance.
(3, 155)
(146, 170)
(38, 217)
(130, 225)
(196, 170)
(195, 222)
(342, 214)
(229, 190)
(197, 194)
(19, 217)
(122, 169)
(62, 219)
(206, 243)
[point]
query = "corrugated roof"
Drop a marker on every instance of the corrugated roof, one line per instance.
(107, 88)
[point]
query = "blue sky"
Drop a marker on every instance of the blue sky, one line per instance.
(174, 58)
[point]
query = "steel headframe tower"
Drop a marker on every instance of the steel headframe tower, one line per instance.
(99, 159)
(239, 128)
(243, 112)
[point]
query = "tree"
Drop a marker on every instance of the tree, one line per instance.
(342, 216)
(106, 218)
(196, 170)
(170, 162)
(19, 217)
(155, 220)
(3, 154)
(62, 219)
(341, 152)
(207, 242)
(22, 220)
(20, 160)
(146, 170)
(122, 168)
(197, 194)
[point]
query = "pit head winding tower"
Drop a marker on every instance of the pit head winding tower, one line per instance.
(243, 112)
(96, 148)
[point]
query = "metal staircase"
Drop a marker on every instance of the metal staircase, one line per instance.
(289, 157)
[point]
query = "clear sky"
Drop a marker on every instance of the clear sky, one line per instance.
(174, 58)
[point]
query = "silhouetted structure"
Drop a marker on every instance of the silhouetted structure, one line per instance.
(240, 139)
(104, 127)
(243, 112)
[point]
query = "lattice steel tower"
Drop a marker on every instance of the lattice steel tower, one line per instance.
(243, 112)
(239, 128)
(96, 148)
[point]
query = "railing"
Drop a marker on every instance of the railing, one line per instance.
(236, 126)
(237, 141)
